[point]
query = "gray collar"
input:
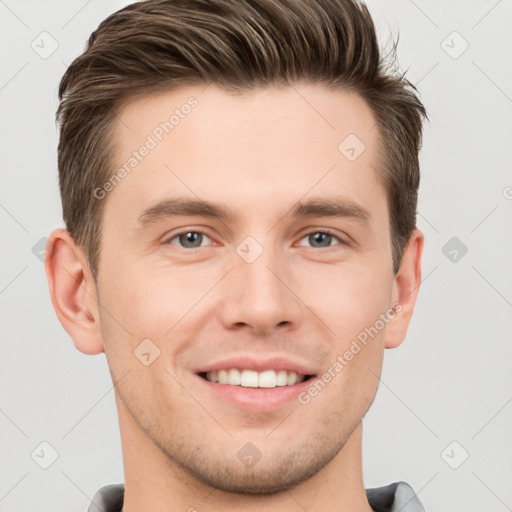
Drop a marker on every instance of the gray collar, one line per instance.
(395, 497)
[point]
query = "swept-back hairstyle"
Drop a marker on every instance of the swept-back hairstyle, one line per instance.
(156, 45)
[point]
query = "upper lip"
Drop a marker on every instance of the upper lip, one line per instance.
(259, 365)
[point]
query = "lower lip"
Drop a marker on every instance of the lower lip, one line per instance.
(257, 399)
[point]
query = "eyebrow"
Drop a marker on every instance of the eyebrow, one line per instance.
(332, 207)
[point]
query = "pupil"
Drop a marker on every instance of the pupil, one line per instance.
(190, 237)
(319, 236)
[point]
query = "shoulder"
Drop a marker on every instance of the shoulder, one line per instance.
(108, 499)
(398, 496)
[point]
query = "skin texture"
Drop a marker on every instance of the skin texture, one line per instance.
(257, 154)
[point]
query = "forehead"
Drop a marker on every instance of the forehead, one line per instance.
(270, 144)
(208, 112)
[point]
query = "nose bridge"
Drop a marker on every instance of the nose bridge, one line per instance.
(260, 297)
(259, 268)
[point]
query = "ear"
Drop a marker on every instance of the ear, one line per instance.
(73, 291)
(405, 290)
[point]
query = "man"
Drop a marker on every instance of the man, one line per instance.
(239, 184)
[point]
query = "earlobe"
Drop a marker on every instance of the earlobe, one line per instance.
(405, 290)
(73, 292)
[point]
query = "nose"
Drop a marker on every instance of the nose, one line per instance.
(260, 295)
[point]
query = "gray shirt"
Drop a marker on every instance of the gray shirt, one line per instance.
(395, 497)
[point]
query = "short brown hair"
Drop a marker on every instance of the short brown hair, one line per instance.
(156, 45)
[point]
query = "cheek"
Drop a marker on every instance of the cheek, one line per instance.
(347, 298)
(137, 312)
(149, 302)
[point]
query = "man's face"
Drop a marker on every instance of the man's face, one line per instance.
(260, 283)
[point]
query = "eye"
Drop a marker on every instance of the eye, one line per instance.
(188, 239)
(321, 239)
(194, 239)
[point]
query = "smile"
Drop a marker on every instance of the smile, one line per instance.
(253, 379)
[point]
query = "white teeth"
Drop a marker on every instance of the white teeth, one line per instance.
(267, 379)
(282, 378)
(254, 379)
(248, 379)
(234, 376)
(292, 379)
(223, 377)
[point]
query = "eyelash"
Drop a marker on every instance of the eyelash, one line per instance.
(323, 231)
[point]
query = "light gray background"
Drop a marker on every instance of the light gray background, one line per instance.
(449, 381)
